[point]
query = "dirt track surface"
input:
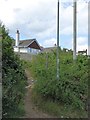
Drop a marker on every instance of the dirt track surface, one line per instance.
(30, 109)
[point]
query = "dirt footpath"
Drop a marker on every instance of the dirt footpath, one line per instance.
(30, 109)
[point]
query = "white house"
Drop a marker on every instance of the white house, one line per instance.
(26, 46)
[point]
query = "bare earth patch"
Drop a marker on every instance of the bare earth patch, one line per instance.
(31, 110)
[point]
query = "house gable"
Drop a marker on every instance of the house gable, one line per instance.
(34, 45)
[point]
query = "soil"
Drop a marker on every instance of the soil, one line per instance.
(31, 111)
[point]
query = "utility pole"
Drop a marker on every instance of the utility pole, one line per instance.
(74, 28)
(58, 42)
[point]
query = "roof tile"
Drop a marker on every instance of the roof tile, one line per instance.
(25, 43)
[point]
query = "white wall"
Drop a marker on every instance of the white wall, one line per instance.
(23, 50)
(26, 50)
(34, 51)
(16, 49)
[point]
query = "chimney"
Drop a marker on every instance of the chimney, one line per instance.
(17, 38)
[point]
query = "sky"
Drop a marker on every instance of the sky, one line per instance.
(38, 19)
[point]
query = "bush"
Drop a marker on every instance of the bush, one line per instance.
(13, 78)
(71, 88)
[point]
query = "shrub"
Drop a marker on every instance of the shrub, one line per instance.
(71, 88)
(13, 78)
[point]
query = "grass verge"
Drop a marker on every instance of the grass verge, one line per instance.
(56, 109)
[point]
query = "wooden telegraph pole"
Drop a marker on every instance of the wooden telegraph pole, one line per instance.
(58, 76)
(74, 29)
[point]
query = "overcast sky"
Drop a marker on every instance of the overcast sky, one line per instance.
(38, 19)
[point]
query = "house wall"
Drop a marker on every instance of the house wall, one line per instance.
(29, 50)
(26, 50)
(34, 51)
(16, 49)
(23, 50)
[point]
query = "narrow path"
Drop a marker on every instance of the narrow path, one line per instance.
(30, 109)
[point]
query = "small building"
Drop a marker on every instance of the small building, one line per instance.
(26, 46)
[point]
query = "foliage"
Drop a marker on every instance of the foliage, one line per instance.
(13, 78)
(56, 109)
(71, 88)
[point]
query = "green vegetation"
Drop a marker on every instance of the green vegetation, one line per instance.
(66, 96)
(13, 79)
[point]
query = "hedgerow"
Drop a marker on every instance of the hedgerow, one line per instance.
(13, 78)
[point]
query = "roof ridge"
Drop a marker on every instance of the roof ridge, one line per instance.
(28, 39)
